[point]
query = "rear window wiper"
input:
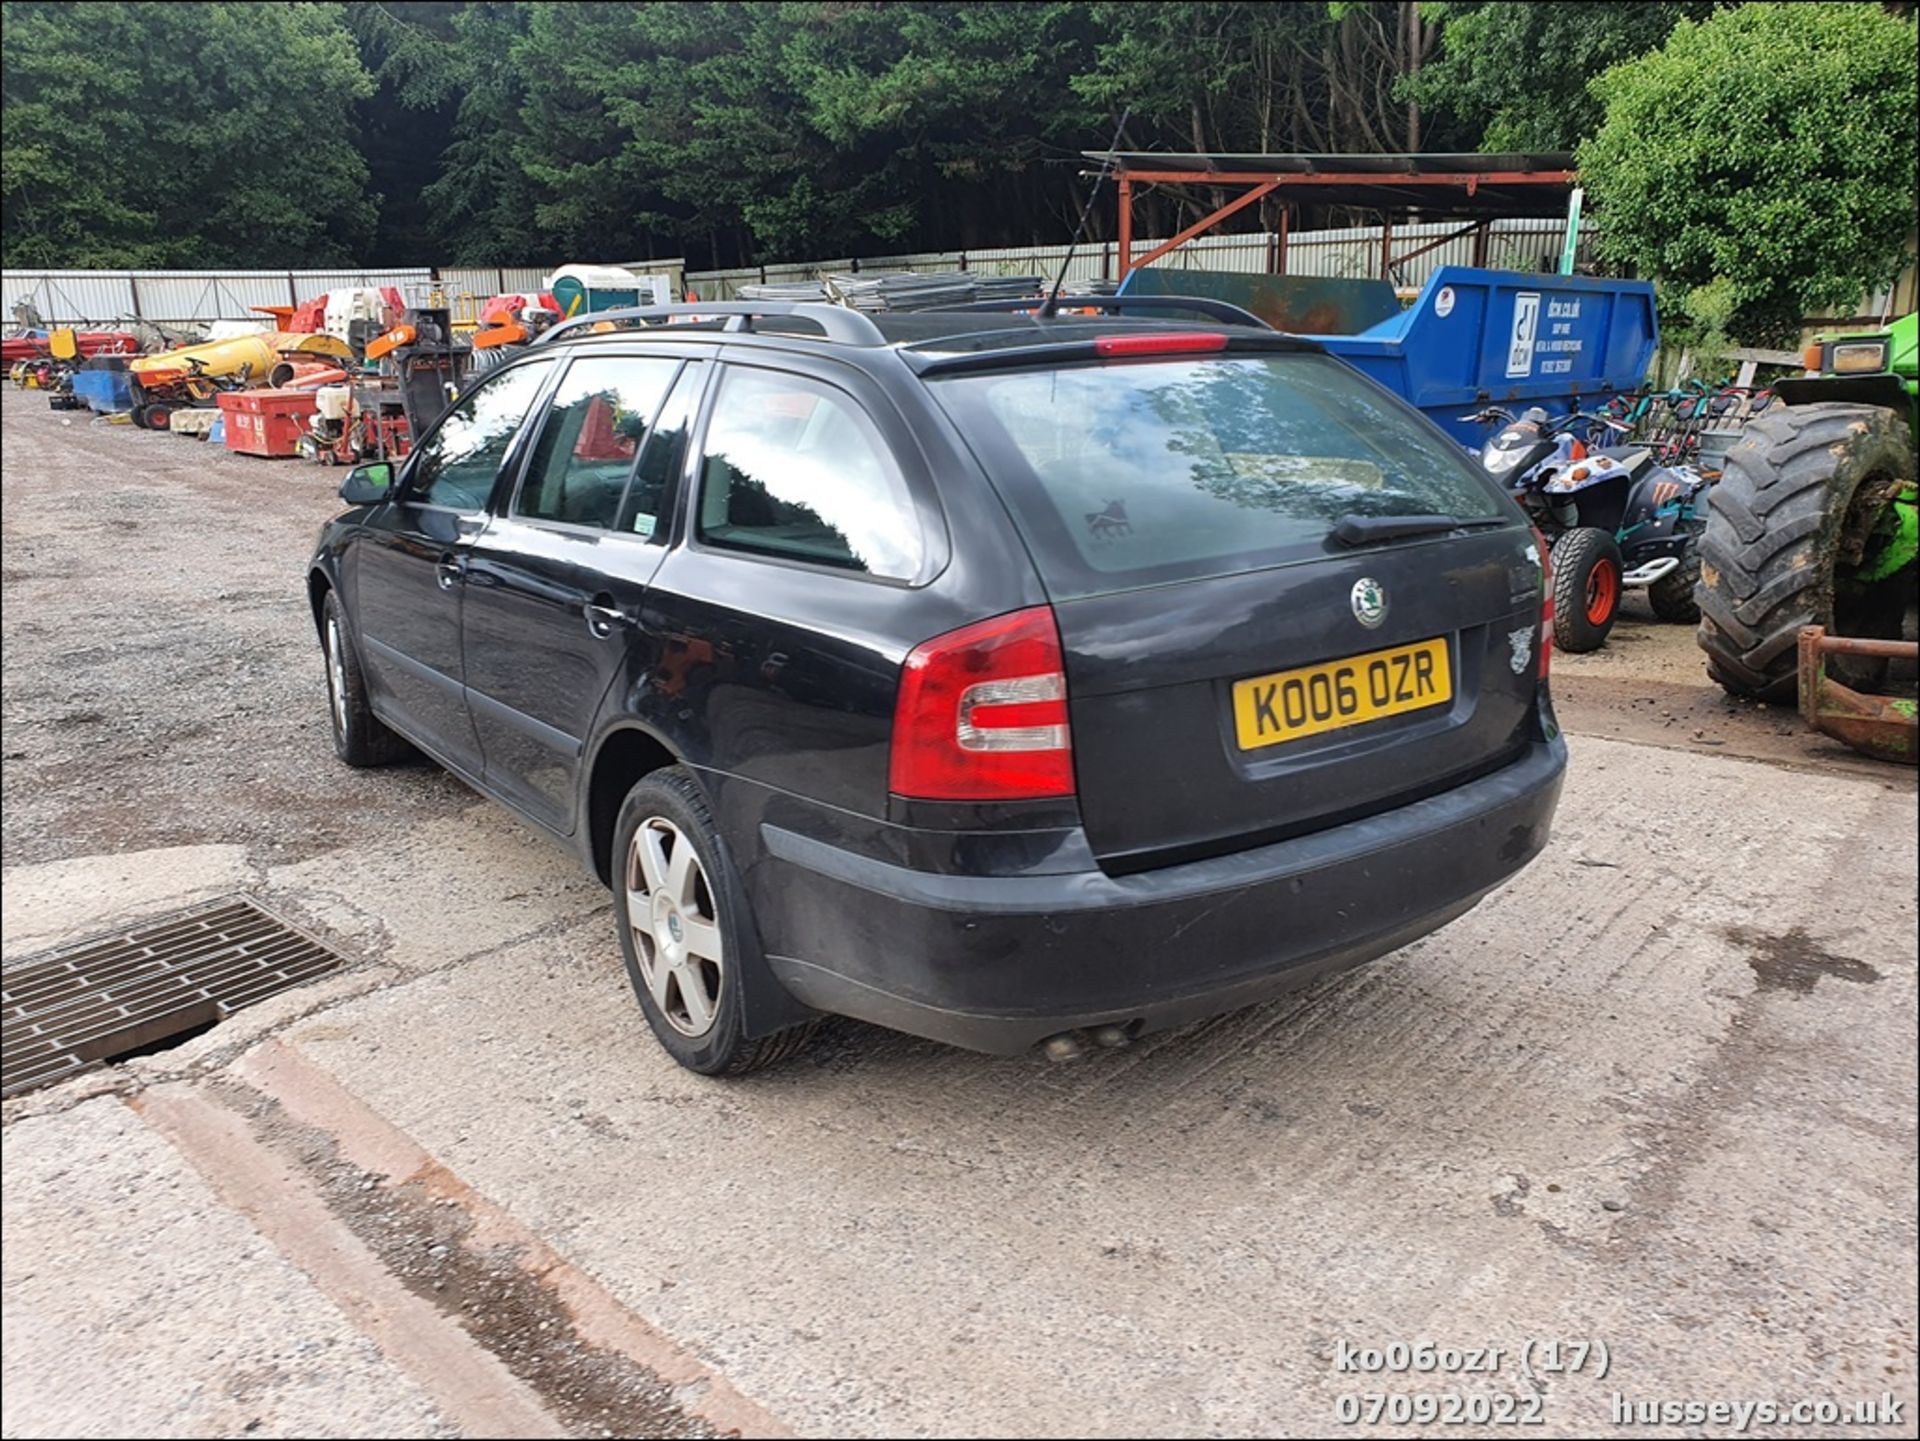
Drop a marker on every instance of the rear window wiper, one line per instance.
(1373, 529)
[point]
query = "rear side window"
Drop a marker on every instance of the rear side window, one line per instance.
(1134, 474)
(795, 468)
(594, 429)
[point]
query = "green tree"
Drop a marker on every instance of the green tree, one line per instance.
(1761, 165)
(734, 131)
(407, 122)
(1513, 73)
(481, 198)
(181, 135)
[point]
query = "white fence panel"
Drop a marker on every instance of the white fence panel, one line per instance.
(104, 296)
(1351, 253)
(192, 295)
(309, 283)
(487, 281)
(68, 297)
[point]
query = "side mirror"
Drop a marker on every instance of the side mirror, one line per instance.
(368, 484)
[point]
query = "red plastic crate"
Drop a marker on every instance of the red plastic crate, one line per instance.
(267, 422)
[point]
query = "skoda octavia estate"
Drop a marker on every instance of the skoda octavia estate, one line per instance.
(1005, 678)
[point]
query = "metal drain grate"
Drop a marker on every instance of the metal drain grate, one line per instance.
(105, 998)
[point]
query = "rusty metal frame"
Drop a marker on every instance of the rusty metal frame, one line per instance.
(1259, 185)
(1884, 727)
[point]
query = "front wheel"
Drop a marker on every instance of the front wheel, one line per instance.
(1672, 597)
(359, 737)
(1586, 588)
(686, 932)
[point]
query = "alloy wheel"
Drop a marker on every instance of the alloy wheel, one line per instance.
(675, 925)
(336, 679)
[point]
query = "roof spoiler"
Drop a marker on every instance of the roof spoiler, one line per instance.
(1220, 310)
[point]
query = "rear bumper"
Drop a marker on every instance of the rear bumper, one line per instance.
(1000, 963)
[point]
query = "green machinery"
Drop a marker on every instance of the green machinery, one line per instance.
(1813, 524)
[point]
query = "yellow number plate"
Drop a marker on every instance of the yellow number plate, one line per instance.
(1290, 705)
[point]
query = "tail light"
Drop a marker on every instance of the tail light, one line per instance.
(982, 714)
(1546, 603)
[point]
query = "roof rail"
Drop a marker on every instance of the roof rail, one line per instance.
(1193, 304)
(849, 327)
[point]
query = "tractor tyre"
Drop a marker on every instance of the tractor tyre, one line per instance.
(1671, 596)
(1792, 514)
(1586, 588)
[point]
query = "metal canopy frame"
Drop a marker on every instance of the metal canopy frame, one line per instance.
(1485, 187)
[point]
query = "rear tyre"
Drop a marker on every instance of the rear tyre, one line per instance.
(1586, 588)
(1671, 596)
(359, 737)
(686, 931)
(1792, 513)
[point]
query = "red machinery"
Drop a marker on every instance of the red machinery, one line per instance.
(265, 422)
(36, 345)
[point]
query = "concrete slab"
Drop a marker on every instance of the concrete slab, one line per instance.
(1591, 1109)
(57, 901)
(456, 887)
(137, 1305)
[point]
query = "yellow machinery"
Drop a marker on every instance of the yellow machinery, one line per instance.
(162, 383)
(247, 355)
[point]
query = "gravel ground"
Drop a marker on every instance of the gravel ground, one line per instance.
(158, 644)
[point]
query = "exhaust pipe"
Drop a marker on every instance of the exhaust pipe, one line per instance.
(1067, 1046)
(1072, 1045)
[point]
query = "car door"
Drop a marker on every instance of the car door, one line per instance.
(409, 562)
(808, 537)
(555, 581)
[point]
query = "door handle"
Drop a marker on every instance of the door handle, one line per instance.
(449, 570)
(604, 620)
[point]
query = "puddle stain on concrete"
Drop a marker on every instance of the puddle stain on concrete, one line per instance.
(1794, 961)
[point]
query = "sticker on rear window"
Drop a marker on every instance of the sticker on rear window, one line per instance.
(1110, 523)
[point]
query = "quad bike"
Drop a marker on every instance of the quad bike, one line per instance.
(1614, 518)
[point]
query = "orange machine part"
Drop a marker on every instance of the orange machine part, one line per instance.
(391, 341)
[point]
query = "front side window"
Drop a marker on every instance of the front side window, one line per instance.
(594, 428)
(795, 469)
(455, 465)
(665, 452)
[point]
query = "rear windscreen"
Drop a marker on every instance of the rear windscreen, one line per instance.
(1138, 473)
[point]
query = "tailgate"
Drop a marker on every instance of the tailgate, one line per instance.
(1333, 719)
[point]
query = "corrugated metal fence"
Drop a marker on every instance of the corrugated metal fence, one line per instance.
(177, 296)
(71, 297)
(1352, 253)
(184, 297)
(81, 296)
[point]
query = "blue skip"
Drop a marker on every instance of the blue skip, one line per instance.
(1473, 338)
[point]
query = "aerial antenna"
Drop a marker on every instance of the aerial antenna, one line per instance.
(1086, 209)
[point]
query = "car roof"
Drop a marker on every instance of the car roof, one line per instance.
(962, 332)
(926, 340)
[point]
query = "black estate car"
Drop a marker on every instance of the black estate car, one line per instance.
(1003, 678)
